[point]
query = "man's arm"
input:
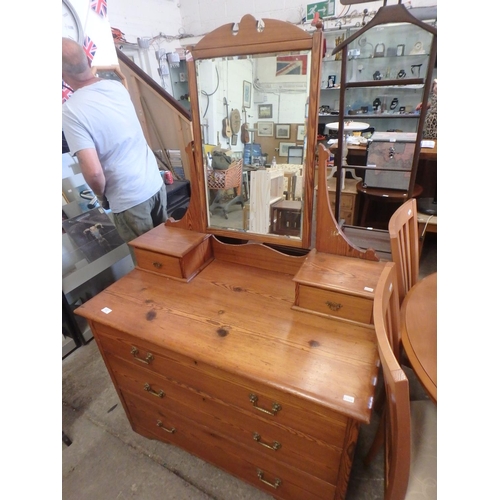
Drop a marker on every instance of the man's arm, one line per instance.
(92, 170)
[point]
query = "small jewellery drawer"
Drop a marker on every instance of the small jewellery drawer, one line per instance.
(252, 466)
(338, 305)
(288, 445)
(173, 252)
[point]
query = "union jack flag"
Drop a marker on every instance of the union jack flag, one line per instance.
(66, 92)
(100, 6)
(90, 48)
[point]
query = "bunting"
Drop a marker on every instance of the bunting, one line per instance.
(90, 48)
(100, 6)
(66, 92)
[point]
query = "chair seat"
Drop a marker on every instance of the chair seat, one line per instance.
(422, 484)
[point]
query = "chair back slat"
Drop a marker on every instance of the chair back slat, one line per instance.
(403, 233)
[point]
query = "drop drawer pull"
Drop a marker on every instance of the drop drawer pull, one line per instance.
(157, 265)
(276, 406)
(334, 306)
(160, 425)
(275, 446)
(275, 485)
(135, 353)
(159, 394)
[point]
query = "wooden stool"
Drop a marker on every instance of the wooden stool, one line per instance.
(385, 195)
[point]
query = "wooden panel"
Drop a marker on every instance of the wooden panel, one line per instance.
(340, 274)
(233, 457)
(339, 305)
(295, 448)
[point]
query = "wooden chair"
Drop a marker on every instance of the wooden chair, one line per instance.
(410, 427)
(403, 233)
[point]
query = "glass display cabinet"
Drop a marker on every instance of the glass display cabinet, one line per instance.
(381, 73)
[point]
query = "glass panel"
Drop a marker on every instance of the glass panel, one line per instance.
(252, 108)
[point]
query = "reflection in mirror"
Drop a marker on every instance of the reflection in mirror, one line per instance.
(253, 117)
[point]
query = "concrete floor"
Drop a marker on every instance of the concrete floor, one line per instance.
(107, 460)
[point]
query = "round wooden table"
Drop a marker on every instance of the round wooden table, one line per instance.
(385, 195)
(419, 331)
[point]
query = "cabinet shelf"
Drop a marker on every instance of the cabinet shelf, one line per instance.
(416, 83)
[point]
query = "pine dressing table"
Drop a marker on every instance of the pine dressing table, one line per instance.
(259, 360)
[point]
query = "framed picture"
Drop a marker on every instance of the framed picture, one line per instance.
(265, 111)
(247, 94)
(301, 132)
(265, 129)
(284, 148)
(282, 131)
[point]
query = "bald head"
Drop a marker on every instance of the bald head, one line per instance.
(75, 66)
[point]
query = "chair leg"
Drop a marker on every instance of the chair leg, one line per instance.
(378, 441)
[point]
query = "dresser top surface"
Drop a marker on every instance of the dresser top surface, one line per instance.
(239, 319)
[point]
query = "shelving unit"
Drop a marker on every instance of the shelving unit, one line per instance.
(388, 63)
(359, 75)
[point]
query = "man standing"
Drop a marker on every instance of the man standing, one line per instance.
(101, 127)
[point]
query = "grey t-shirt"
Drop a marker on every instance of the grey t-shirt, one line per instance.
(102, 116)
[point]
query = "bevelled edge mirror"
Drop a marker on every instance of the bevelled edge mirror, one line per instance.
(252, 40)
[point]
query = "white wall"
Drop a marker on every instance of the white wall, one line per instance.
(193, 18)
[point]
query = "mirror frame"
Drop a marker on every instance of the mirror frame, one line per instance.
(252, 37)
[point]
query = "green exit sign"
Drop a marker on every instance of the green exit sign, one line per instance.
(325, 9)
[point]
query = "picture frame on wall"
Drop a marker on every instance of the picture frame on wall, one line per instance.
(301, 132)
(265, 111)
(265, 129)
(282, 131)
(247, 94)
(283, 151)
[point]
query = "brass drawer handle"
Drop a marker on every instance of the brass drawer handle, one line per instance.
(276, 406)
(135, 353)
(275, 446)
(275, 485)
(160, 425)
(159, 394)
(157, 265)
(334, 306)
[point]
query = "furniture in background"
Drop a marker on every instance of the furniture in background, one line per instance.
(348, 205)
(379, 195)
(376, 88)
(426, 224)
(419, 332)
(286, 217)
(266, 188)
(403, 232)
(221, 181)
(178, 195)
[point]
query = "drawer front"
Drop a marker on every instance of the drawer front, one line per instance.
(265, 473)
(158, 263)
(296, 449)
(304, 417)
(335, 304)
